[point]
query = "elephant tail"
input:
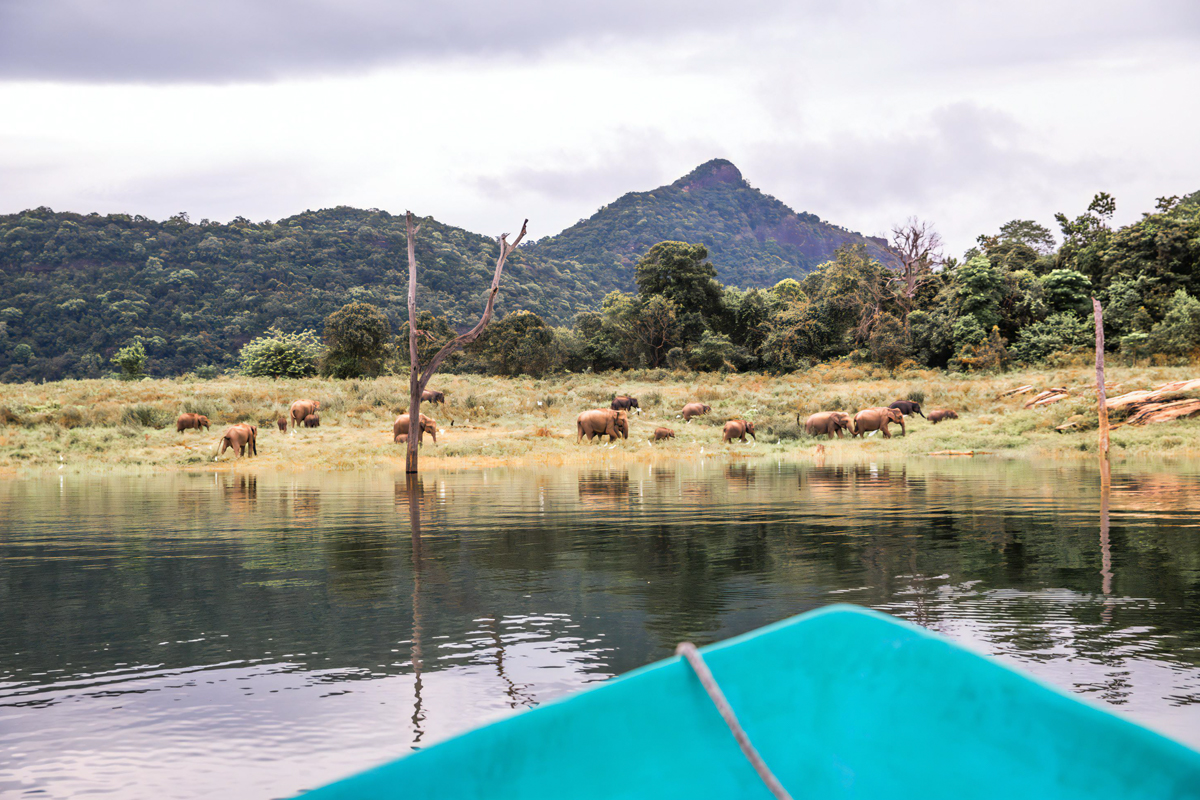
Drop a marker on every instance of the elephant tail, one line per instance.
(212, 451)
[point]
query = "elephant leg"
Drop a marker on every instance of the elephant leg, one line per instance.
(838, 431)
(903, 430)
(886, 433)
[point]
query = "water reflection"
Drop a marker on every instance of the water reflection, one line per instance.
(158, 629)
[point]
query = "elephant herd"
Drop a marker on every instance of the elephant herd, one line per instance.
(242, 438)
(831, 423)
(612, 422)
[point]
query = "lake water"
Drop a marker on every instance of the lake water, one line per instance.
(233, 636)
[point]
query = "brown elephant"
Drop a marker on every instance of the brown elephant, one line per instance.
(695, 410)
(312, 421)
(877, 419)
(624, 402)
(827, 423)
(663, 433)
(602, 422)
(939, 414)
(241, 438)
(301, 409)
(427, 425)
(907, 407)
(430, 396)
(737, 429)
(283, 424)
(187, 421)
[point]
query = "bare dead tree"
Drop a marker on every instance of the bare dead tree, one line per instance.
(419, 378)
(915, 250)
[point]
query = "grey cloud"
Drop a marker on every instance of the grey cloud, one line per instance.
(254, 40)
(224, 40)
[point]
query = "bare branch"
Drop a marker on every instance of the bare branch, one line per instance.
(465, 339)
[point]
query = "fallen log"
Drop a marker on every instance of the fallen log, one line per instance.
(1164, 412)
(1047, 397)
(960, 453)
(1140, 396)
(1017, 391)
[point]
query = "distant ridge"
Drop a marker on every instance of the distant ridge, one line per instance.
(753, 239)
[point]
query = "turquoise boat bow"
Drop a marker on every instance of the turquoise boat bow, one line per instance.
(840, 702)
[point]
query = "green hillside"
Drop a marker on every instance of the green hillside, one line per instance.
(76, 287)
(753, 239)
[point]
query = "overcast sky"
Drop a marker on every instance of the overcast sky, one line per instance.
(483, 113)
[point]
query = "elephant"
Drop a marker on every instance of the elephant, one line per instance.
(877, 419)
(312, 421)
(737, 429)
(939, 414)
(301, 409)
(602, 422)
(827, 422)
(695, 410)
(430, 396)
(663, 433)
(241, 438)
(907, 407)
(186, 421)
(625, 402)
(427, 425)
(283, 424)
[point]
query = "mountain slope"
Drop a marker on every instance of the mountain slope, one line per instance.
(752, 238)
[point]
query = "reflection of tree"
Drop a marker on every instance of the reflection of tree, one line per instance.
(414, 490)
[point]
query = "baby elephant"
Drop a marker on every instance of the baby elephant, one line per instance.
(937, 415)
(663, 433)
(186, 421)
(312, 421)
(737, 429)
(282, 424)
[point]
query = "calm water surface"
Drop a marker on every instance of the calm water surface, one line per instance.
(232, 636)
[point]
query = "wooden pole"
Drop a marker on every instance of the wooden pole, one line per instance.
(1101, 396)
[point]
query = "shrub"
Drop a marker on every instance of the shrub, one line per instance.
(144, 415)
(206, 371)
(131, 360)
(281, 355)
(1056, 333)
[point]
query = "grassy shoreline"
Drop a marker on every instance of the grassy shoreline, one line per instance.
(106, 425)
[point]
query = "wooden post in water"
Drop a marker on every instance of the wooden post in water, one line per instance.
(1101, 396)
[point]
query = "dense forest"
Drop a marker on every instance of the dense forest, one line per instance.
(1015, 297)
(85, 294)
(76, 288)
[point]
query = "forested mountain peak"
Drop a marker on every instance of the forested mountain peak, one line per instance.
(754, 239)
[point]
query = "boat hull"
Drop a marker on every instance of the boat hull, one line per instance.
(841, 703)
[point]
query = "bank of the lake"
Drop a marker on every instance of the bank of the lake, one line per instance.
(488, 421)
